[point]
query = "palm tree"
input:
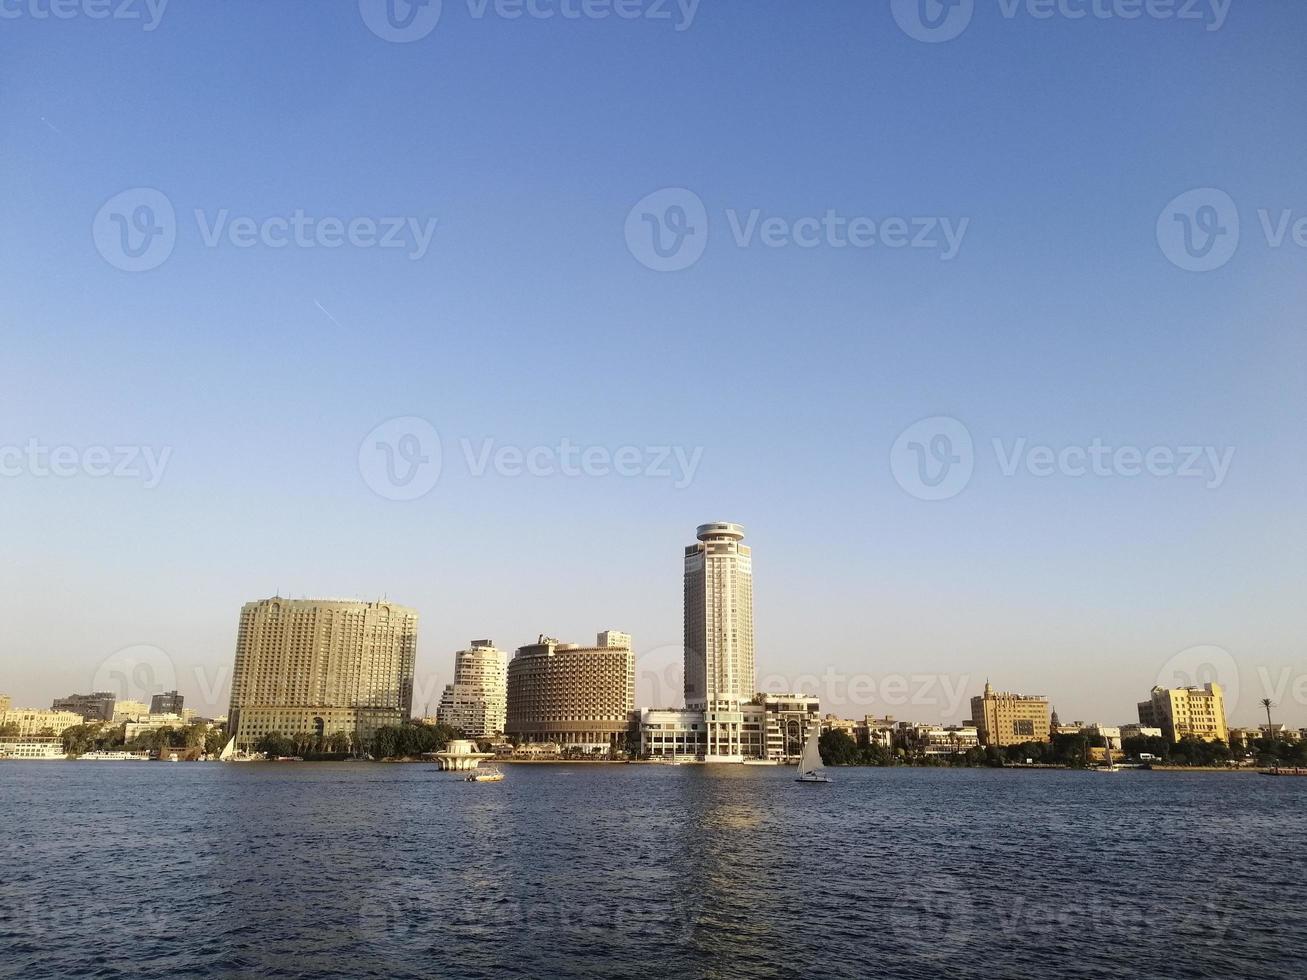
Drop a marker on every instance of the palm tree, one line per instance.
(1266, 703)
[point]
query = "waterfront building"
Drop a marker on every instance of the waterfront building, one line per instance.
(151, 723)
(787, 719)
(321, 666)
(720, 670)
(944, 740)
(1137, 731)
(833, 723)
(5, 702)
(92, 707)
(673, 733)
(477, 702)
(1010, 719)
(167, 703)
(34, 722)
(129, 710)
(877, 732)
(1181, 712)
(578, 697)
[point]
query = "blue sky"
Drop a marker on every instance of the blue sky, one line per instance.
(530, 320)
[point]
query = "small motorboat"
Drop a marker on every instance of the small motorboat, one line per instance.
(487, 775)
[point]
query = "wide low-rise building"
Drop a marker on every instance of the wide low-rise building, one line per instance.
(1186, 712)
(321, 666)
(772, 727)
(574, 696)
(93, 707)
(31, 722)
(1003, 719)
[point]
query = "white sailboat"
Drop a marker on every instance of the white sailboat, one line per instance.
(228, 751)
(1111, 766)
(810, 760)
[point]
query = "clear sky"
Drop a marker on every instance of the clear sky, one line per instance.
(1066, 316)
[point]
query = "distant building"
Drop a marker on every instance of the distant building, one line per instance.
(321, 666)
(940, 740)
(477, 702)
(1010, 719)
(5, 702)
(1140, 731)
(92, 707)
(1182, 712)
(151, 723)
(673, 733)
(31, 722)
(720, 672)
(168, 703)
(129, 710)
(771, 726)
(577, 697)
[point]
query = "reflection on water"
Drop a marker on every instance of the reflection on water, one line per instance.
(358, 870)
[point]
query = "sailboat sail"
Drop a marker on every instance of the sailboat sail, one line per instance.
(228, 751)
(810, 760)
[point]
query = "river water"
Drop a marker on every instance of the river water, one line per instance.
(147, 870)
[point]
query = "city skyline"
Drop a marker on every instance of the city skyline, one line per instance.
(768, 384)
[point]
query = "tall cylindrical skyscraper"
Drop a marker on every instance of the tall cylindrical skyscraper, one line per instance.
(719, 655)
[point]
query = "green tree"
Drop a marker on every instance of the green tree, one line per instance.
(275, 744)
(837, 748)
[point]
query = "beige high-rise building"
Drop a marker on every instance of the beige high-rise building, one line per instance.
(1010, 719)
(572, 695)
(1186, 711)
(321, 666)
(720, 672)
(477, 702)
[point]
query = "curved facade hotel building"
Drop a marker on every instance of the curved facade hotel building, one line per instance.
(574, 696)
(321, 666)
(477, 702)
